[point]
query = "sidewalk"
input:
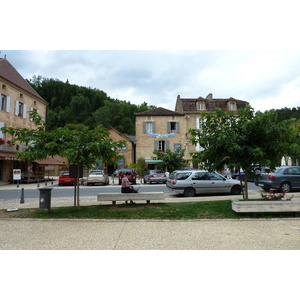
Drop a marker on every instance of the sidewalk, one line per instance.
(246, 234)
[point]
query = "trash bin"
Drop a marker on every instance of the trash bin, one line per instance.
(45, 198)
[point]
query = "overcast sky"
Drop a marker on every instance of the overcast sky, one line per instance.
(266, 79)
(156, 51)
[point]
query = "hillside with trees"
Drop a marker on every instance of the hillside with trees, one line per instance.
(76, 106)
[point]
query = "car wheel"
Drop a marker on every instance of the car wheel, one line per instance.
(236, 190)
(285, 187)
(189, 192)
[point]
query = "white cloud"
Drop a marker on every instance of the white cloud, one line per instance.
(266, 79)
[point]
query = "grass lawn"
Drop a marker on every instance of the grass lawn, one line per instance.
(169, 211)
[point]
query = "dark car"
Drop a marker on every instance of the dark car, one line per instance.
(283, 179)
(241, 175)
(64, 179)
(123, 172)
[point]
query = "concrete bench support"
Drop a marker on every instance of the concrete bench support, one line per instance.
(266, 206)
(131, 196)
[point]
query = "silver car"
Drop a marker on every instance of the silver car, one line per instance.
(155, 176)
(284, 179)
(192, 182)
(97, 176)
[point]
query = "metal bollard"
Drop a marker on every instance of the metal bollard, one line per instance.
(22, 200)
(46, 182)
(38, 183)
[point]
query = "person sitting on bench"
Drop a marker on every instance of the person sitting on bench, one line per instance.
(126, 186)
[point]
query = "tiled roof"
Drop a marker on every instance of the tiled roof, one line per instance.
(8, 72)
(189, 104)
(160, 111)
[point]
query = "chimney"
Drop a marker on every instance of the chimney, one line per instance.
(209, 96)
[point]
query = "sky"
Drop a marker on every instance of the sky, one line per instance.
(267, 79)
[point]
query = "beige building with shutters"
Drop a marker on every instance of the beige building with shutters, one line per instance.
(161, 129)
(17, 98)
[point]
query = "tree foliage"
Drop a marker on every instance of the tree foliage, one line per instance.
(80, 147)
(171, 161)
(71, 104)
(244, 139)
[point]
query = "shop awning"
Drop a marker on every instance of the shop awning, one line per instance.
(153, 161)
(8, 156)
(49, 161)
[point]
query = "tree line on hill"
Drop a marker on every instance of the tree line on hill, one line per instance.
(77, 106)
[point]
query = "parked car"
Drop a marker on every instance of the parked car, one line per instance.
(96, 177)
(64, 179)
(284, 179)
(241, 175)
(192, 182)
(155, 176)
(123, 172)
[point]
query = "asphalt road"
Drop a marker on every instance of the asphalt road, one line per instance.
(32, 191)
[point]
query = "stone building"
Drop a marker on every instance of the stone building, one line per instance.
(162, 129)
(17, 98)
(127, 152)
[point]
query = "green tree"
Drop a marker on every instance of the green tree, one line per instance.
(171, 160)
(80, 147)
(243, 139)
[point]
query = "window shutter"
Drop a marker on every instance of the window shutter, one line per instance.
(2, 124)
(169, 127)
(144, 127)
(155, 145)
(177, 127)
(17, 108)
(24, 111)
(197, 123)
(8, 104)
(154, 127)
(167, 145)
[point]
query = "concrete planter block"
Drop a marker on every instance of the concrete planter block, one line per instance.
(266, 206)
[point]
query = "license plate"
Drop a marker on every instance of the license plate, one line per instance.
(68, 180)
(96, 180)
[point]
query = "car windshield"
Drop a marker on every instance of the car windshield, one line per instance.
(65, 174)
(96, 173)
(127, 170)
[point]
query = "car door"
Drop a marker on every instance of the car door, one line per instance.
(201, 183)
(218, 184)
(294, 177)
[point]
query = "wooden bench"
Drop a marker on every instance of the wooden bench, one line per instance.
(131, 197)
(255, 207)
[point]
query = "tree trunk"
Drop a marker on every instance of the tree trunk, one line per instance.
(77, 184)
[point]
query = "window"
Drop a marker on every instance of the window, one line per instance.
(199, 123)
(3, 86)
(161, 146)
(201, 105)
(232, 106)
(20, 109)
(21, 96)
(177, 147)
(173, 127)
(149, 127)
(4, 103)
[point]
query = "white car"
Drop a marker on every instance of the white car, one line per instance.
(192, 182)
(96, 177)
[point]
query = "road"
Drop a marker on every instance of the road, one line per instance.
(68, 191)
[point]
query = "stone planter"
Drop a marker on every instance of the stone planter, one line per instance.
(255, 207)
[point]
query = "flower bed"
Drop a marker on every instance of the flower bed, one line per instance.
(272, 196)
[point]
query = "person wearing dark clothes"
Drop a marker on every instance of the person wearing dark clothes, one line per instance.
(126, 186)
